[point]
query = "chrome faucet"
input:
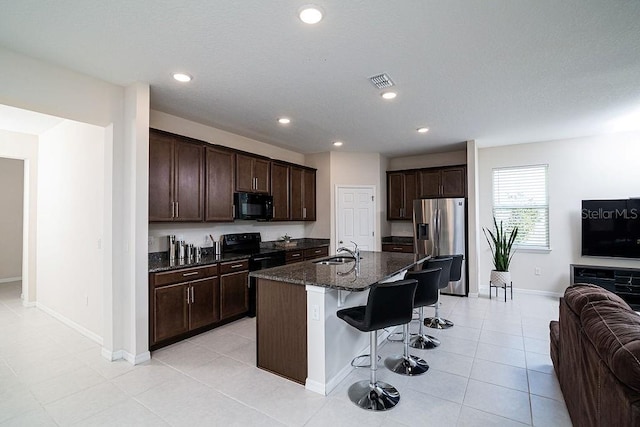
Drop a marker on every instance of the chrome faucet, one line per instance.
(354, 253)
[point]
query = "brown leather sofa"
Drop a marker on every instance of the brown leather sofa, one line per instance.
(595, 348)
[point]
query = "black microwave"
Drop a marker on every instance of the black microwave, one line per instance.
(253, 206)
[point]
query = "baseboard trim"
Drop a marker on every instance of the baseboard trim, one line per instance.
(528, 291)
(112, 356)
(70, 323)
(11, 279)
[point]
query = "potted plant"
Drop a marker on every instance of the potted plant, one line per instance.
(501, 245)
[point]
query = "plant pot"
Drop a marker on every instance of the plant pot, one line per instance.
(500, 278)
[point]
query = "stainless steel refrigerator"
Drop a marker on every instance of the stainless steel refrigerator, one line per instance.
(439, 227)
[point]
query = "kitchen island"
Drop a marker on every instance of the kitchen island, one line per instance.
(299, 335)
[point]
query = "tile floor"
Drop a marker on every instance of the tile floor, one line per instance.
(493, 368)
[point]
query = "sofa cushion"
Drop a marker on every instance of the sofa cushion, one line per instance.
(615, 335)
(581, 294)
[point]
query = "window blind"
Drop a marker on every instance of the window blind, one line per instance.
(520, 198)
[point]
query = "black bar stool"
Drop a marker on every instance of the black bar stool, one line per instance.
(388, 304)
(426, 295)
(443, 263)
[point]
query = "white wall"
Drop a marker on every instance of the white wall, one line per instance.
(15, 145)
(38, 86)
(11, 194)
(449, 158)
(581, 168)
(70, 224)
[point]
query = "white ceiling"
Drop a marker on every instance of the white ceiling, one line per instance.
(497, 71)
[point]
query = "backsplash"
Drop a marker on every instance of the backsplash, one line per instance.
(198, 233)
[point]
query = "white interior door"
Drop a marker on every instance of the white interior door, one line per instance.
(355, 210)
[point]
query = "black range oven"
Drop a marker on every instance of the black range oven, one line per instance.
(249, 244)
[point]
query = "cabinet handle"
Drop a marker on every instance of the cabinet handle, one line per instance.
(397, 249)
(236, 266)
(304, 212)
(192, 297)
(177, 209)
(187, 296)
(317, 251)
(173, 209)
(193, 273)
(295, 255)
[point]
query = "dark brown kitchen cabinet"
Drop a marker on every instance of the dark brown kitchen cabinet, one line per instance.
(219, 184)
(303, 194)
(234, 288)
(176, 178)
(392, 247)
(313, 253)
(182, 301)
(443, 182)
(252, 174)
(401, 191)
(280, 186)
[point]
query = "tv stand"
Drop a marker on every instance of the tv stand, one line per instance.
(624, 282)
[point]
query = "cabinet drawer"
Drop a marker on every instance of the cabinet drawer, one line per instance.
(316, 252)
(294, 256)
(390, 247)
(185, 275)
(234, 266)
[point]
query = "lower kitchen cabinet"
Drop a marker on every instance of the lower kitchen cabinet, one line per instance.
(234, 288)
(182, 301)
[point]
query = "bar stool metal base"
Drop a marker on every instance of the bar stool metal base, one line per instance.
(424, 342)
(437, 323)
(412, 365)
(378, 396)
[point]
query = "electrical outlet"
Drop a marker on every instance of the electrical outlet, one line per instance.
(152, 240)
(86, 300)
(537, 271)
(315, 312)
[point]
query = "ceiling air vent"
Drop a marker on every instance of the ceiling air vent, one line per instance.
(381, 81)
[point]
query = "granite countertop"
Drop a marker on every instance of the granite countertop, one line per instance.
(374, 267)
(159, 261)
(398, 240)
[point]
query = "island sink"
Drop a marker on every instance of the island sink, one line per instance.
(336, 260)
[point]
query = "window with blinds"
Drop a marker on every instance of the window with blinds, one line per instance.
(520, 198)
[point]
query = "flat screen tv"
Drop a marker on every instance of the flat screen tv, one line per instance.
(611, 228)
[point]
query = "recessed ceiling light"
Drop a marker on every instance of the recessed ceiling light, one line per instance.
(310, 14)
(284, 120)
(182, 77)
(423, 130)
(337, 143)
(389, 95)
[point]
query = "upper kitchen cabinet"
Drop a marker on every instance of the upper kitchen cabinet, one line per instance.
(219, 184)
(252, 174)
(176, 178)
(280, 185)
(443, 182)
(401, 190)
(303, 194)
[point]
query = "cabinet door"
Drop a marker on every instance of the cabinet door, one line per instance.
(454, 182)
(189, 183)
(429, 183)
(204, 309)
(395, 195)
(297, 200)
(161, 177)
(280, 191)
(309, 187)
(244, 173)
(261, 169)
(170, 311)
(234, 294)
(219, 185)
(390, 247)
(410, 194)
(313, 253)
